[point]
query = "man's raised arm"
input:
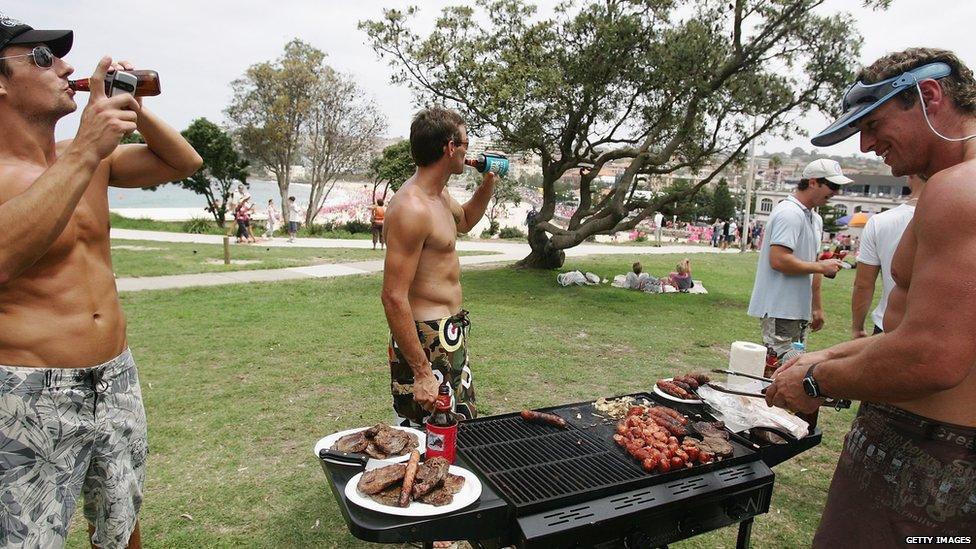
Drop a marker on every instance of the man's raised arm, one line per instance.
(472, 210)
(165, 157)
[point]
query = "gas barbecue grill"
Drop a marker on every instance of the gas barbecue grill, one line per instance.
(551, 487)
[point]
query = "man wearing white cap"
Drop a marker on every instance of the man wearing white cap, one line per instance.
(786, 294)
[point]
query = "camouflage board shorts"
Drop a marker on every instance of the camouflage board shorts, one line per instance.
(445, 342)
(900, 476)
(66, 432)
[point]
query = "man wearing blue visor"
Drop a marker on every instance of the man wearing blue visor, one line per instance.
(908, 468)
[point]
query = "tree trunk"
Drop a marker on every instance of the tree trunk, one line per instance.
(285, 210)
(543, 255)
(283, 180)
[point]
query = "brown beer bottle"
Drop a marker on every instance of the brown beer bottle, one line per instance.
(147, 83)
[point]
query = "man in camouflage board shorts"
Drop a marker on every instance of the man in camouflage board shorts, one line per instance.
(422, 274)
(72, 422)
(444, 343)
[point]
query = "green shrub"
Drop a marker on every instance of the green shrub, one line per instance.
(491, 231)
(316, 229)
(199, 225)
(356, 226)
(510, 232)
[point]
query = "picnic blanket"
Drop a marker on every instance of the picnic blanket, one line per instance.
(620, 281)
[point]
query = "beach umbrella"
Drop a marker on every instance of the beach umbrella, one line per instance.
(843, 221)
(860, 219)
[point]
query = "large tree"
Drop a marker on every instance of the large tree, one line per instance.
(664, 85)
(222, 166)
(392, 168)
(341, 128)
(723, 205)
(270, 106)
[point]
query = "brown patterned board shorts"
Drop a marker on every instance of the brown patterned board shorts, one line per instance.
(900, 476)
(445, 342)
(65, 433)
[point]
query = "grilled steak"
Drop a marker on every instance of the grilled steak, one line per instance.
(374, 452)
(711, 429)
(444, 494)
(375, 481)
(388, 496)
(391, 441)
(371, 432)
(379, 442)
(430, 475)
(354, 443)
(718, 446)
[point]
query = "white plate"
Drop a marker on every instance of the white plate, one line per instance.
(674, 398)
(327, 442)
(469, 494)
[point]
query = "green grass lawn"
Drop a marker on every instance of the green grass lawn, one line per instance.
(135, 258)
(240, 381)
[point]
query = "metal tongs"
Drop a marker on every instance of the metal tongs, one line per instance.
(837, 404)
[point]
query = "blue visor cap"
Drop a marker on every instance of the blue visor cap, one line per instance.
(863, 98)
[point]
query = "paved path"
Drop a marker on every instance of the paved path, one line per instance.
(500, 252)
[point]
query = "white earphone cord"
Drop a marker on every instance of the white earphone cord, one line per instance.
(926, 114)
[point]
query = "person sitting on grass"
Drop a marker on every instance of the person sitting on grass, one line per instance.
(636, 279)
(681, 279)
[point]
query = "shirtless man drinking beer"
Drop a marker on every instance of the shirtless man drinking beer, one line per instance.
(422, 274)
(72, 421)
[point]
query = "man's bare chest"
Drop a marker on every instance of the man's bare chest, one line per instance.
(443, 234)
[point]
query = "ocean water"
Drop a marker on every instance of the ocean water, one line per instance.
(174, 196)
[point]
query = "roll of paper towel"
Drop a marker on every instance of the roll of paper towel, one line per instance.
(748, 358)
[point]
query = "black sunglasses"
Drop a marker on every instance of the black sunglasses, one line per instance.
(42, 55)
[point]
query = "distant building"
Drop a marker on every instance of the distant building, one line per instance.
(869, 193)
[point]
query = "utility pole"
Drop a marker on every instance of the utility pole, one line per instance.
(749, 182)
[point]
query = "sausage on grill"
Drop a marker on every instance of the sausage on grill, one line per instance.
(542, 417)
(673, 390)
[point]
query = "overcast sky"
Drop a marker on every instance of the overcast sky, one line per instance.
(200, 46)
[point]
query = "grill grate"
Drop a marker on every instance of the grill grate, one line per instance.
(539, 467)
(532, 464)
